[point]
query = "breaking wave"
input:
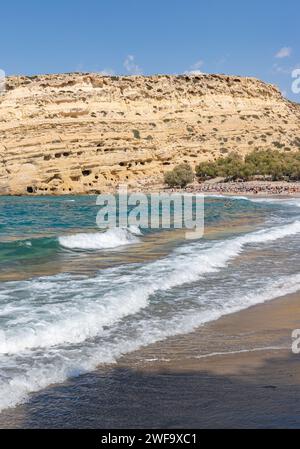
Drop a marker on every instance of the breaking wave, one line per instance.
(111, 238)
(61, 326)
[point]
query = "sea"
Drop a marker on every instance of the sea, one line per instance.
(74, 297)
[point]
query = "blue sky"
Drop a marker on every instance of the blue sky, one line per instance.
(253, 38)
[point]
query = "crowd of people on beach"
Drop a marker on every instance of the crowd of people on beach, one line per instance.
(252, 187)
(247, 187)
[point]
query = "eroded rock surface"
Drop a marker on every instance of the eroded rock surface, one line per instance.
(87, 133)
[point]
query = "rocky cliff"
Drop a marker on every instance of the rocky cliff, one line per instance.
(86, 133)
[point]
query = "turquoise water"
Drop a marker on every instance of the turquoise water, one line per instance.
(73, 297)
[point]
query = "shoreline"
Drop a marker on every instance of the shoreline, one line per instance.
(253, 188)
(247, 377)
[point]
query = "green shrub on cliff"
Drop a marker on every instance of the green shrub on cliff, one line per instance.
(260, 163)
(207, 170)
(180, 176)
(274, 164)
(228, 167)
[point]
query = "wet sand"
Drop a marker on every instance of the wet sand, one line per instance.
(236, 372)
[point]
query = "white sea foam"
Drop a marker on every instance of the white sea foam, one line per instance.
(241, 351)
(41, 370)
(61, 310)
(111, 238)
(27, 243)
(293, 201)
(64, 310)
(282, 201)
(219, 195)
(57, 325)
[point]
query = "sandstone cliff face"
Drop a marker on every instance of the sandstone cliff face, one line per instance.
(86, 133)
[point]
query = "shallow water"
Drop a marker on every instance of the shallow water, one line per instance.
(73, 298)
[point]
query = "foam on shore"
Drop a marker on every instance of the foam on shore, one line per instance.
(61, 326)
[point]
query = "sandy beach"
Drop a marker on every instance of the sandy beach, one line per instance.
(257, 385)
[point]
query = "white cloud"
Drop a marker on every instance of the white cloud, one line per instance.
(197, 64)
(193, 72)
(284, 52)
(283, 70)
(131, 66)
(107, 72)
(195, 68)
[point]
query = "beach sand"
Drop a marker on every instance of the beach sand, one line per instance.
(236, 372)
